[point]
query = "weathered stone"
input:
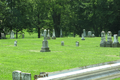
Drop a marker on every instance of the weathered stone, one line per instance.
(62, 43)
(48, 36)
(89, 34)
(82, 37)
(12, 35)
(25, 76)
(16, 75)
(53, 37)
(115, 42)
(77, 43)
(84, 33)
(15, 43)
(45, 47)
(103, 41)
(109, 39)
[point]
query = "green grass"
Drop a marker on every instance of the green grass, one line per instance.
(27, 57)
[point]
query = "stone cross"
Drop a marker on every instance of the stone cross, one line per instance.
(82, 37)
(103, 41)
(12, 35)
(48, 36)
(109, 39)
(115, 42)
(84, 33)
(53, 37)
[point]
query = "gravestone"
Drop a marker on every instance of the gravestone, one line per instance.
(109, 39)
(62, 43)
(12, 35)
(48, 36)
(103, 41)
(53, 37)
(61, 33)
(22, 35)
(82, 37)
(84, 32)
(15, 43)
(77, 43)
(119, 33)
(45, 47)
(115, 42)
(25, 76)
(3, 36)
(16, 75)
(89, 34)
(93, 35)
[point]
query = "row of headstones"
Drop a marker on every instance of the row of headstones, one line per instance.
(109, 42)
(89, 34)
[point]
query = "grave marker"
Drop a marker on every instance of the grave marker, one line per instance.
(109, 39)
(62, 43)
(103, 41)
(82, 37)
(84, 33)
(77, 43)
(53, 37)
(89, 34)
(48, 36)
(61, 33)
(115, 42)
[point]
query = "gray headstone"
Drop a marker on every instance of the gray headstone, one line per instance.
(3, 36)
(89, 34)
(84, 32)
(12, 35)
(25, 76)
(15, 43)
(62, 43)
(93, 35)
(77, 43)
(16, 75)
(53, 37)
(115, 42)
(109, 39)
(60, 32)
(45, 47)
(22, 35)
(119, 33)
(48, 36)
(103, 41)
(82, 37)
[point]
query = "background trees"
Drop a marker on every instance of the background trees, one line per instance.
(72, 16)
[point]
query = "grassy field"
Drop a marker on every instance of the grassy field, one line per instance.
(27, 57)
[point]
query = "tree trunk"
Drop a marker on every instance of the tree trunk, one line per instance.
(38, 32)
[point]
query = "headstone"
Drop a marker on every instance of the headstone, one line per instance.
(25, 76)
(61, 33)
(53, 37)
(16, 75)
(115, 42)
(62, 43)
(12, 35)
(82, 37)
(45, 47)
(109, 39)
(22, 35)
(2, 36)
(77, 43)
(84, 33)
(15, 43)
(93, 35)
(119, 33)
(89, 34)
(103, 41)
(48, 36)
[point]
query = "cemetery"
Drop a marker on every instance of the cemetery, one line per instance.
(34, 55)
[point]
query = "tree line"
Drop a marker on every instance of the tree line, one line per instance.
(72, 16)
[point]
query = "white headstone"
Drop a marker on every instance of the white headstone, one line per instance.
(12, 35)
(53, 37)
(48, 36)
(82, 37)
(60, 32)
(89, 34)
(115, 42)
(103, 41)
(84, 33)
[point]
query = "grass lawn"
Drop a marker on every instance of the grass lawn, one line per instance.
(27, 57)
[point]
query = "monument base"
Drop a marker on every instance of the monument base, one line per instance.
(103, 44)
(108, 44)
(45, 50)
(82, 39)
(115, 45)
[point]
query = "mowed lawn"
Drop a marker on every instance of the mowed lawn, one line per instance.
(27, 57)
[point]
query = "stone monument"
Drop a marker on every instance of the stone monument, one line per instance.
(12, 35)
(22, 35)
(109, 39)
(115, 42)
(15, 43)
(45, 47)
(82, 37)
(84, 33)
(3, 36)
(77, 43)
(61, 33)
(103, 41)
(119, 33)
(93, 35)
(62, 43)
(53, 37)
(48, 36)
(89, 34)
